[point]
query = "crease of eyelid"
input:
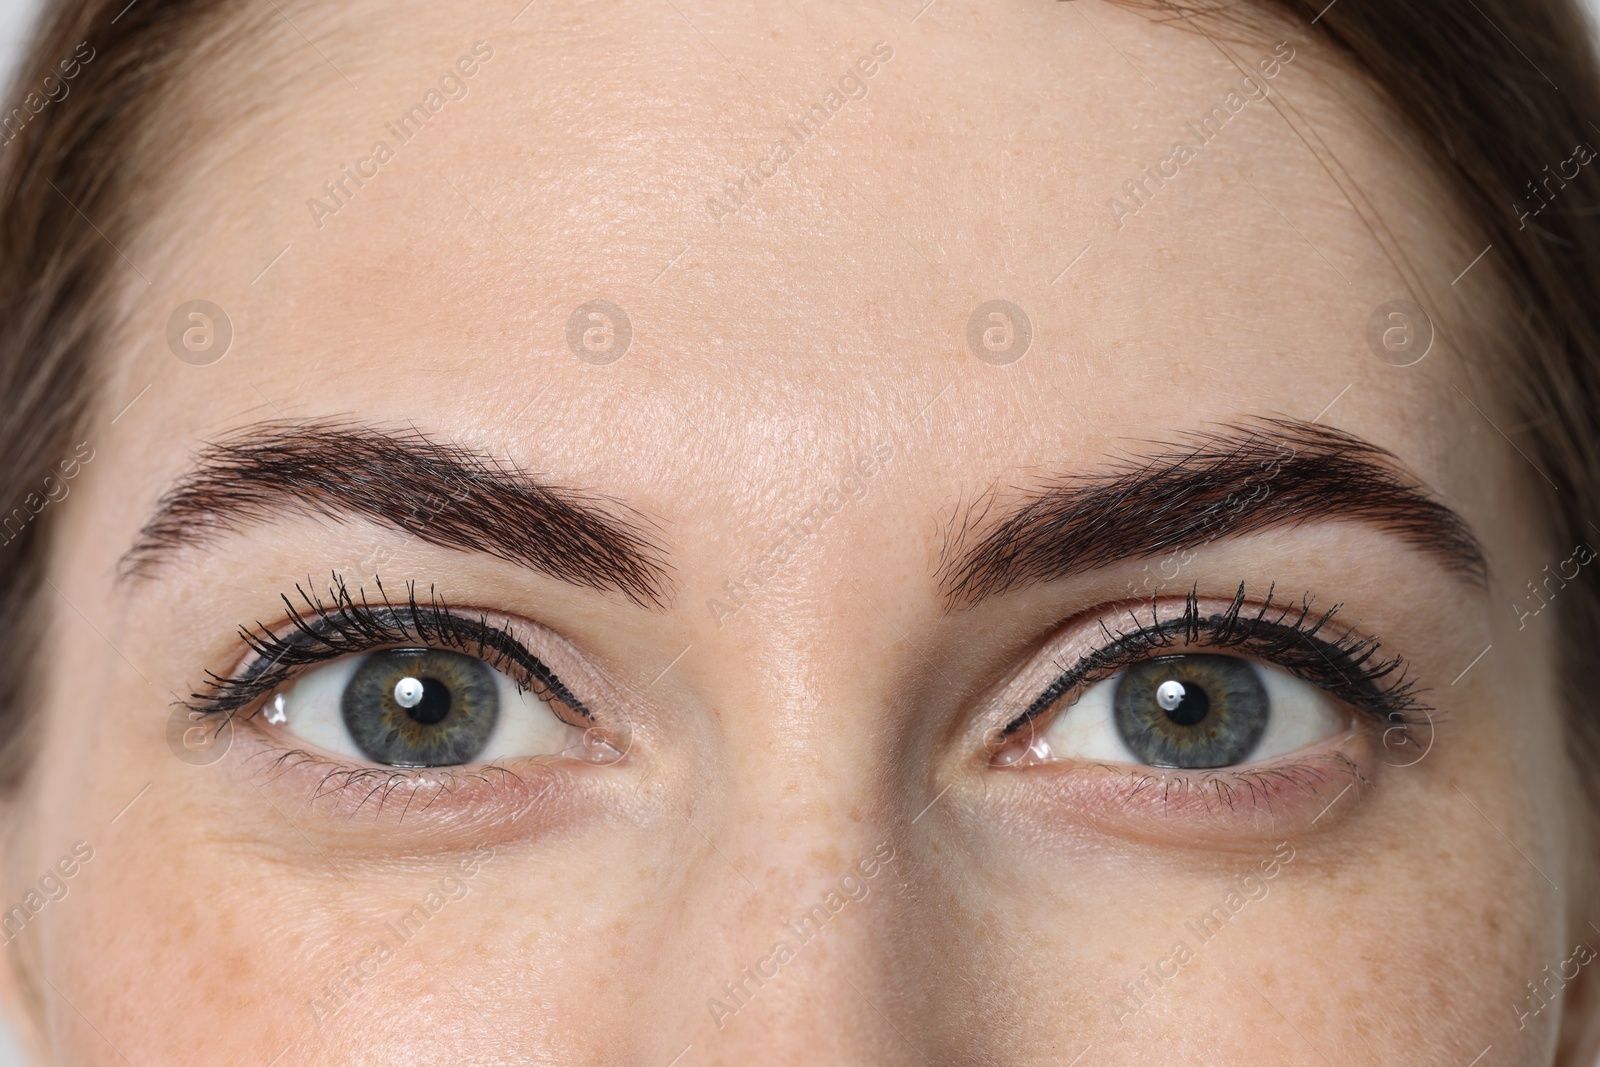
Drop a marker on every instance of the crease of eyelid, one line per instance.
(1383, 692)
(440, 493)
(351, 624)
(1178, 496)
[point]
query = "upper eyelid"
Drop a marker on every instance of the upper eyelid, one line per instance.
(312, 628)
(1400, 696)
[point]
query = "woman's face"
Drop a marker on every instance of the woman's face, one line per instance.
(830, 663)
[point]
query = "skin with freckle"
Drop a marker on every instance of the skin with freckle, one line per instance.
(818, 745)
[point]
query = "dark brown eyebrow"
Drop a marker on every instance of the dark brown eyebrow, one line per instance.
(437, 492)
(1209, 484)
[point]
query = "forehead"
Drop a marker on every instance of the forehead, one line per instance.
(797, 227)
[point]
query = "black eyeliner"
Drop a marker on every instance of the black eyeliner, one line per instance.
(349, 625)
(1343, 667)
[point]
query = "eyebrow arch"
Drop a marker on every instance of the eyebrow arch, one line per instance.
(440, 493)
(1223, 482)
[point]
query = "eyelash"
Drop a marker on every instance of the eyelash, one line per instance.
(1347, 667)
(350, 625)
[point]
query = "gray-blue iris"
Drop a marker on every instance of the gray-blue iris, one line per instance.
(1191, 711)
(421, 707)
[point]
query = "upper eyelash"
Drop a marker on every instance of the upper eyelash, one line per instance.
(352, 624)
(1344, 666)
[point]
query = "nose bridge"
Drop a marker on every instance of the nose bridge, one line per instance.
(793, 867)
(863, 950)
(793, 938)
(787, 946)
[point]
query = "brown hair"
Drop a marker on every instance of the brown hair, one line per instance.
(1493, 96)
(1497, 93)
(1493, 93)
(71, 179)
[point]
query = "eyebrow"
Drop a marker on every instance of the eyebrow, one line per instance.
(1226, 482)
(439, 493)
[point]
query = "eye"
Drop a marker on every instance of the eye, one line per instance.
(418, 707)
(1191, 711)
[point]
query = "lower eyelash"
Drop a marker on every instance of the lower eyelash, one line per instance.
(343, 780)
(351, 625)
(1262, 785)
(480, 797)
(1344, 667)
(1235, 790)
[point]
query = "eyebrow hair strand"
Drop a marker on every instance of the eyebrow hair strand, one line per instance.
(440, 493)
(1192, 492)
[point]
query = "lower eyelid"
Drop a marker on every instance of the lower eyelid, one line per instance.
(1226, 809)
(439, 808)
(1293, 789)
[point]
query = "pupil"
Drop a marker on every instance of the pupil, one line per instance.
(434, 705)
(1191, 705)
